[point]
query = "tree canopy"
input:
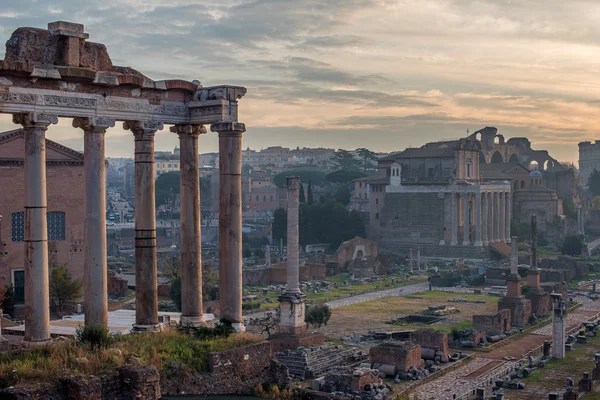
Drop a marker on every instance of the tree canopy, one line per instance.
(64, 290)
(594, 183)
(344, 176)
(166, 186)
(316, 177)
(367, 156)
(327, 222)
(572, 245)
(343, 159)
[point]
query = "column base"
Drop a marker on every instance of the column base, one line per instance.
(146, 328)
(478, 244)
(485, 243)
(467, 243)
(33, 343)
(453, 243)
(238, 327)
(442, 242)
(508, 240)
(194, 322)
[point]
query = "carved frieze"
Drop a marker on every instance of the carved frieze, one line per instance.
(21, 98)
(112, 104)
(69, 101)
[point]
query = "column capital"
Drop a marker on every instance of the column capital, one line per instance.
(188, 129)
(228, 127)
(34, 119)
(143, 127)
(93, 124)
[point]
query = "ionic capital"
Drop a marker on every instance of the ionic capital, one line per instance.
(35, 120)
(228, 127)
(292, 182)
(188, 129)
(93, 124)
(143, 128)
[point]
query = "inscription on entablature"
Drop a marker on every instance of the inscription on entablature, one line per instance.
(66, 101)
(171, 109)
(21, 98)
(208, 110)
(125, 106)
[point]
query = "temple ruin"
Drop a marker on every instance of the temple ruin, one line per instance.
(57, 73)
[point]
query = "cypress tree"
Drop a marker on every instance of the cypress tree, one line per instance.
(302, 198)
(309, 197)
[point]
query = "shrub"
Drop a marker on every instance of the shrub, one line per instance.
(176, 292)
(96, 336)
(8, 302)
(206, 333)
(318, 315)
(572, 245)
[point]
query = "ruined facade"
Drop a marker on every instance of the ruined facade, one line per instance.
(57, 72)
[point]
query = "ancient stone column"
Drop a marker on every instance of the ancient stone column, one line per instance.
(501, 217)
(292, 304)
(230, 221)
(454, 240)
(293, 253)
(558, 326)
(484, 219)
(490, 216)
(514, 257)
(419, 258)
(496, 217)
(95, 271)
(508, 216)
(146, 281)
(410, 261)
(478, 219)
(192, 313)
(465, 199)
(37, 292)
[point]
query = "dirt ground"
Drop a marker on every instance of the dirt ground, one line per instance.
(373, 315)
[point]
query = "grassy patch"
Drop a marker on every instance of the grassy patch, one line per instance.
(163, 349)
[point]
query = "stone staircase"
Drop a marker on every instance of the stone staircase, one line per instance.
(309, 363)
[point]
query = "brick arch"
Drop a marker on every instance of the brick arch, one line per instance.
(514, 158)
(497, 158)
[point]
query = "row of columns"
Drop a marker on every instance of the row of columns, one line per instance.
(37, 302)
(491, 217)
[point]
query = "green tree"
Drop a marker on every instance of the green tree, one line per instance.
(318, 315)
(317, 177)
(246, 250)
(343, 159)
(309, 197)
(367, 157)
(260, 253)
(594, 182)
(301, 194)
(64, 290)
(279, 225)
(343, 194)
(8, 302)
(572, 245)
(520, 229)
(175, 292)
(344, 176)
(166, 186)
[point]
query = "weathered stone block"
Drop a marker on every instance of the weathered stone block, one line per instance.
(403, 355)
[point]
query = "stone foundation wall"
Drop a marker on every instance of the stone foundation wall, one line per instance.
(430, 338)
(117, 286)
(402, 355)
(540, 302)
(492, 324)
(520, 309)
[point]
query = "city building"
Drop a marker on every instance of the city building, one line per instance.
(65, 211)
(434, 198)
(589, 159)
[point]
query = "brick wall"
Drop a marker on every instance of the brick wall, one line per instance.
(430, 338)
(402, 355)
(492, 324)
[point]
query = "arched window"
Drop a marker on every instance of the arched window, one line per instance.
(516, 185)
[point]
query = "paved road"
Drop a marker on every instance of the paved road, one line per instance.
(361, 298)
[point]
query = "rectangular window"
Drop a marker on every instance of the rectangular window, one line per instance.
(377, 200)
(169, 165)
(54, 220)
(377, 216)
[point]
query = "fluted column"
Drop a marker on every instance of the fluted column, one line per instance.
(496, 219)
(95, 271)
(146, 284)
(454, 240)
(37, 292)
(490, 219)
(465, 199)
(508, 216)
(501, 216)
(484, 218)
(478, 219)
(230, 221)
(192, 313)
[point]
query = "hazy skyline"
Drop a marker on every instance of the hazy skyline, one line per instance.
(380, 74)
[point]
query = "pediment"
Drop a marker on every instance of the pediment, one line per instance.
(12, 147)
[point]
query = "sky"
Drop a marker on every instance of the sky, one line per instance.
(382, 74)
